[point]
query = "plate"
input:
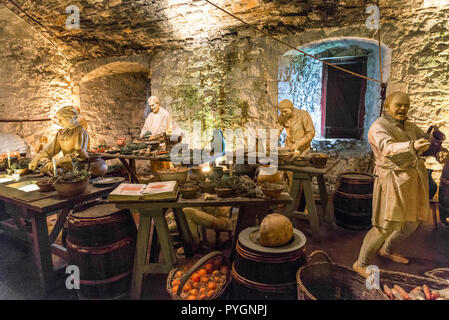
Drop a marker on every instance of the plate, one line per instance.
(106, 182)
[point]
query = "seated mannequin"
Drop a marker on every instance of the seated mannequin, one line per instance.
(72, 140)
(207, 217)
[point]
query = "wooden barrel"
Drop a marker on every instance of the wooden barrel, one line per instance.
(443, 196)
(101, 241)
(353, 200)
(262, 273)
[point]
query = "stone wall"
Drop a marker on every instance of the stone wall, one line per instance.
(113, 106)
(35, 79)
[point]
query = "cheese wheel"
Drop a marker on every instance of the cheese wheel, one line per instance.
(275, 230)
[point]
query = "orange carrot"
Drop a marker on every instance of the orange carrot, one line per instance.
(388, 292)
(426, 290)
(402, 292)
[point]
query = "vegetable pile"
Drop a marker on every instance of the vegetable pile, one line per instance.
(71, 176)
(418, 293)
(204, 283)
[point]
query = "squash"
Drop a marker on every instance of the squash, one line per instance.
(275, 230)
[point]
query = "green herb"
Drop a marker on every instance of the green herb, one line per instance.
(71, 176)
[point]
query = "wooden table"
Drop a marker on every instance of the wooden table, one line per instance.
(302, 181)
(129, 162)
(250, 210)
(37, 211)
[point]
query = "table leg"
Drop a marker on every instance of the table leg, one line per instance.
(165, 240)
(132, 165)
(296, 195)
(154, 247)
(62, 215)
(311, 209)
(141, 253)
(184, 232)
(130, 170)
(324, 198)
(42, 251)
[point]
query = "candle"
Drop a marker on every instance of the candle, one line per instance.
(54, 167)
(9, 159)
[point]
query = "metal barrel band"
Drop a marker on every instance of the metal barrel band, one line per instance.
(100, 250)
(275, 288)
(354, 181)
(354, 214)
(354, 196)
(105, 281)
(100, 220)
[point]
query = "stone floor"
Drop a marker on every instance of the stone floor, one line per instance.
(428, 249)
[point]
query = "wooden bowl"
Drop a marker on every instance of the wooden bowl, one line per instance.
(224, 192)
(180, 176)
(189, 191)
(45, 186)
(272, 193)
(71, 189)
(207, 187)
(318, 160)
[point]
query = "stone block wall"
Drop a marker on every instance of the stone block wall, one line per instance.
(35, 79)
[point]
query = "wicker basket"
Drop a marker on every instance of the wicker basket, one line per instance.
(196, 264)
(410, 281)
(330, 281)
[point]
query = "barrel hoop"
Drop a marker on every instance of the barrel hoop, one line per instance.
(281, 287)
(354, 196)
(105, 281)
(100, 250)
(354, 214)
(101, 220)
(444, 181)
(295, 256)
(356, 182)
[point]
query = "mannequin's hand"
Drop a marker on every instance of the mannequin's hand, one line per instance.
(443, 157)
(33, 164)
(422, 145)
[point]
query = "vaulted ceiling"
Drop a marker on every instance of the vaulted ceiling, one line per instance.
(124, 27)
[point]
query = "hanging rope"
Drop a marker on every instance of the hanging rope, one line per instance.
(290, 46)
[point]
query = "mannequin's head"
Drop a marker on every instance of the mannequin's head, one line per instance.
(154, 104)
(397, 105)
(286, 108)
(67, 117)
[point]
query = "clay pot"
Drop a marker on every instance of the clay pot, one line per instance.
(436, 141)
(197, 174)
(224, 192)
(268, 174)
(318, 160)
(71, 189)
(95, 164)
(207, 187)
(272, 192)
(189, 192)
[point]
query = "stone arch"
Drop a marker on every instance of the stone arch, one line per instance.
(309, 97)
(111, 94)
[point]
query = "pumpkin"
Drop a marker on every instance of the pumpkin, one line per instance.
(275, 230)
